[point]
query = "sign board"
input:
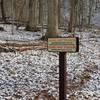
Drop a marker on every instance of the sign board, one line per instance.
(68, 44)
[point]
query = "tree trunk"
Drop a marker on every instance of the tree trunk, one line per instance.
(90, 11)
(52, 18)
(59, 13)
(72, 15)
(41, 12)
(32, 18)
(3, 11)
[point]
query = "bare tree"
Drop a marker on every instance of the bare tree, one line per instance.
(73, 4)
(3, 11)
(41, 11)
(32, 18)
(90, 11)
(52, 18)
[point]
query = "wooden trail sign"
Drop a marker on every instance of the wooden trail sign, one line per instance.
(68, 44)
(63, 45)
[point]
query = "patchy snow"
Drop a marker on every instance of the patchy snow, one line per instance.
(25, 73)
(17, 35)
(96, 19)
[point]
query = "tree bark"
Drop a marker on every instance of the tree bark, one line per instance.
(41, 12)
(32, 18)
(52, 18)
(90, 11)
(3, 11)
(72, 15)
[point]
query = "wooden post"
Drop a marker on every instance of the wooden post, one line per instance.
(62, 76)
(63, 46)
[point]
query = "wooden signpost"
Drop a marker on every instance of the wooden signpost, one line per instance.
(63, 46)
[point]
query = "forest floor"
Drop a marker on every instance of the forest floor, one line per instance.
(30, 74)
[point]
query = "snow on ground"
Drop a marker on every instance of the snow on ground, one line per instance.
(96, 19)
(27, 72)
(18, 35)
(23, 74)
(84, 68)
